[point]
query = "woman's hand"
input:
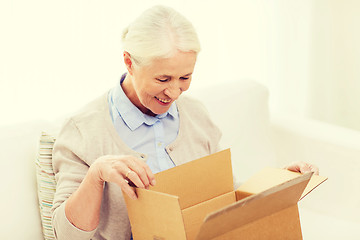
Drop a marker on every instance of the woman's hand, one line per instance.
(82, 208)
(302, 167)
(123, 169)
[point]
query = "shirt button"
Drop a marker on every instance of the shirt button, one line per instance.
(159, 144)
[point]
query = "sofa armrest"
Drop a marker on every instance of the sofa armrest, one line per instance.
(335, 150)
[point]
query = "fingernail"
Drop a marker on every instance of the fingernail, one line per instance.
(153, 182)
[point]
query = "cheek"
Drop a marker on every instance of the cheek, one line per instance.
(143, 94)
(149, 92)
(155, 89)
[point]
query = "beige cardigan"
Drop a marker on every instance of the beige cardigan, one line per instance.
(91, 134)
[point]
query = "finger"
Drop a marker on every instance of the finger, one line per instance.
(304, 167)
(121, 169)
(149, 173)
(137, 166)
(293, 167)
(314, 169)
(122, 183)
(128, 190)
(134, 178)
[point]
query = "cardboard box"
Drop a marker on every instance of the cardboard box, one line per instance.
(196, 201)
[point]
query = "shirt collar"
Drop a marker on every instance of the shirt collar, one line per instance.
(132, 116)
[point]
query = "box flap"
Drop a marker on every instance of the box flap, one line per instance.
(269, 177)
(198, 180)
(254, 207)
(155, 215)
(284, 224)
(195, 215)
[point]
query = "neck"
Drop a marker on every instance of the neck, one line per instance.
(129, 90)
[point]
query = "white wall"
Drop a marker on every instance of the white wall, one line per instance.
(334, 95)
(57, 55)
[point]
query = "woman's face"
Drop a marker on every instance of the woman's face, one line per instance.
(153, 88)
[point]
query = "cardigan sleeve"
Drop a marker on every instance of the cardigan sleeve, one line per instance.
(70, 170)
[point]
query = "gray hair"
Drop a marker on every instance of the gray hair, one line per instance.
(158, 33)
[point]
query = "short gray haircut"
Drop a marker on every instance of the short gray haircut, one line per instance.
(158, 33)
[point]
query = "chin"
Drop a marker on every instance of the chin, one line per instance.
(155, 109)
(154, 112)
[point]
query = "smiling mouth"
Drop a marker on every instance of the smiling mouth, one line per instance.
(163, 100)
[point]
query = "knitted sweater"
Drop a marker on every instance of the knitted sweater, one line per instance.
(91, 134)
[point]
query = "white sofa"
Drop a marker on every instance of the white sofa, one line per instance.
(257, 140)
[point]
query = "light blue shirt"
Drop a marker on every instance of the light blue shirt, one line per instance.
(144, 133)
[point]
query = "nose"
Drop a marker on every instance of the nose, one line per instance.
(173, 90)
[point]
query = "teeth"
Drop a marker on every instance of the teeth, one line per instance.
(163, 100)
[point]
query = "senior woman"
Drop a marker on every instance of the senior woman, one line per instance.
(140, 127)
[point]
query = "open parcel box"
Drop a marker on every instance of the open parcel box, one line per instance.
(197, 200)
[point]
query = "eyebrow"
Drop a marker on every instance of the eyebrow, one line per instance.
(187, 74)
(168, 76)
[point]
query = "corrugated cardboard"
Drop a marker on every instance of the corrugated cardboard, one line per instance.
(196, 201)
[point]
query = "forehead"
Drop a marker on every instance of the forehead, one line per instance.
(181, 63)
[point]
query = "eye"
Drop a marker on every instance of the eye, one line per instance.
(184, 78)
(162, 80)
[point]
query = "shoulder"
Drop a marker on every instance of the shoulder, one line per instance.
(88, 119)
(84, 128)
(194, 115)
(192, 106)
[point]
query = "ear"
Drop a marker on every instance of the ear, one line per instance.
(128, 62)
